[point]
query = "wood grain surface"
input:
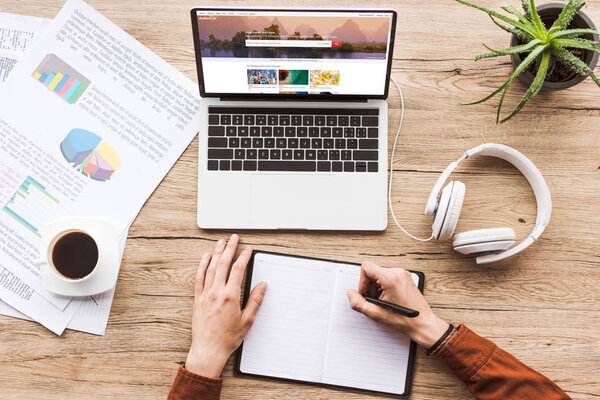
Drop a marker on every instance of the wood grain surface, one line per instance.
(542, 305)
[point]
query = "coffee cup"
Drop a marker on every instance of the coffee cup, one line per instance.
(79, 256)
(72, 255)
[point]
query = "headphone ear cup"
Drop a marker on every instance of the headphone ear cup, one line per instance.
(484, 240)
(448, 211)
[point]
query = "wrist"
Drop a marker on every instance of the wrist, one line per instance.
(430, 331)
(206, 363)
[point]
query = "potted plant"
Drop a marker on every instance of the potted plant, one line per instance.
(552, 46)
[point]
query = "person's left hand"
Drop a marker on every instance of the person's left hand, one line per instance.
(218, 323)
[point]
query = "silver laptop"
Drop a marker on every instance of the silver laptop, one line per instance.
(294, 130)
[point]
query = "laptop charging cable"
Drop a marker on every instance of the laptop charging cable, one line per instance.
(392, 165)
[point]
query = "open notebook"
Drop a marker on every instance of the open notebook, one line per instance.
(306, 331)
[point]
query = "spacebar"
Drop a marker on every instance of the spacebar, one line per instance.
(302, 166)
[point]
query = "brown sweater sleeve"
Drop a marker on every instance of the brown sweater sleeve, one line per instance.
(189, 386)
(491, 373)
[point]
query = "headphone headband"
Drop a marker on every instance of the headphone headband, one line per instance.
(529, 171)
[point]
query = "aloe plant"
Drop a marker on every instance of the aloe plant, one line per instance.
(541, 43)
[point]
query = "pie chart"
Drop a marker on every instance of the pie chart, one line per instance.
(90, 154)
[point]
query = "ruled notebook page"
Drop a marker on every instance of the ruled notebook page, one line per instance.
(289, 335)
(305, 329)
(362, 353)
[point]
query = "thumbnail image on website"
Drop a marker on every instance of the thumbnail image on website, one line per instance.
(262, 77)
(294, 52)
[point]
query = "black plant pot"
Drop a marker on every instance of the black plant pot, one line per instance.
(548, 13)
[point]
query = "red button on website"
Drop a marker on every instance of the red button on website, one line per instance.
(336, 43)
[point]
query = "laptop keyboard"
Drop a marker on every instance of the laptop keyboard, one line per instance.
(293, 139)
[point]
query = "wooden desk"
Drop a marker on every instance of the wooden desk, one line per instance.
(542, 305)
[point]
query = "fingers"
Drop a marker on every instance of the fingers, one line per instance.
(212, 267)
(201, 274)
(358, 303)
(225, 261)
(238, 269)
(377, 274)
(366, 286)
(254, 302)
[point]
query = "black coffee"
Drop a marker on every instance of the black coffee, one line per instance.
(75, 255)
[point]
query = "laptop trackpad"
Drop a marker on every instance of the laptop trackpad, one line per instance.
(291, 201)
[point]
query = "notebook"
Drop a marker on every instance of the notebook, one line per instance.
(305, 330)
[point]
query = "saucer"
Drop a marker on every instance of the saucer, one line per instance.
(107, 269)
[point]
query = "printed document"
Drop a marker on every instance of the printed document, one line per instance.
(90, 123)
(88, 315)
(16, 34)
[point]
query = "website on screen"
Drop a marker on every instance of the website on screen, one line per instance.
(287, 52)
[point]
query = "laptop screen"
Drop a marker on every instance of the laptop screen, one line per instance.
(294, 52)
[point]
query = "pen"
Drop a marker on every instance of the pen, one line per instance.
(407, 312)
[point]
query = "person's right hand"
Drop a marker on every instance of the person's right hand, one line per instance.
(395, 285)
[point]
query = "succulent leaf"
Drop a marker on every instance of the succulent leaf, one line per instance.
(573, 62)
(574, 33)
(535, 18)
(577, 43)
(511, 50)
(501, 17)
(510, 9)
(521, 34)
(520, 68)
(526, 8)
(535, 87)
(567, 14)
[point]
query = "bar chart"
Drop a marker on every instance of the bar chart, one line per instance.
(91, 155)
(61, 78)
(31, 205)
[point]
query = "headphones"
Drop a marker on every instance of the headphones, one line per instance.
(447, 209)
(481, 242)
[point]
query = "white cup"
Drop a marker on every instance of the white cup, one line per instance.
(101, 278)
(50, 247)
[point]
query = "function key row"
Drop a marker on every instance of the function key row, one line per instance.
(293, 120)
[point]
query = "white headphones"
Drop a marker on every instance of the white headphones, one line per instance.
(447, 209)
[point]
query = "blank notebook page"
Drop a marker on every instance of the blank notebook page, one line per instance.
(305, 329)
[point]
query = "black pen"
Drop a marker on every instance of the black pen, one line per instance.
(407, 312)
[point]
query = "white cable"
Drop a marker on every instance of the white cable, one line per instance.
(392, 166)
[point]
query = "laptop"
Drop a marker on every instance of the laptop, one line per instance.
(294, 128)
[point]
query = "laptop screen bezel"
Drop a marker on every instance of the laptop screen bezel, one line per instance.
(299, 97)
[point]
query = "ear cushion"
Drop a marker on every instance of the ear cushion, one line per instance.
(484, 240)
(446, 216)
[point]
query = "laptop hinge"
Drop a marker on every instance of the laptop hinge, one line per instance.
(325, 99)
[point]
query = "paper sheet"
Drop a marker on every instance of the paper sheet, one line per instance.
(306, 330)
(7, 310)
(89, 314)
(92, 121)
(22, 297)
(294, 315)
(16, 34)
